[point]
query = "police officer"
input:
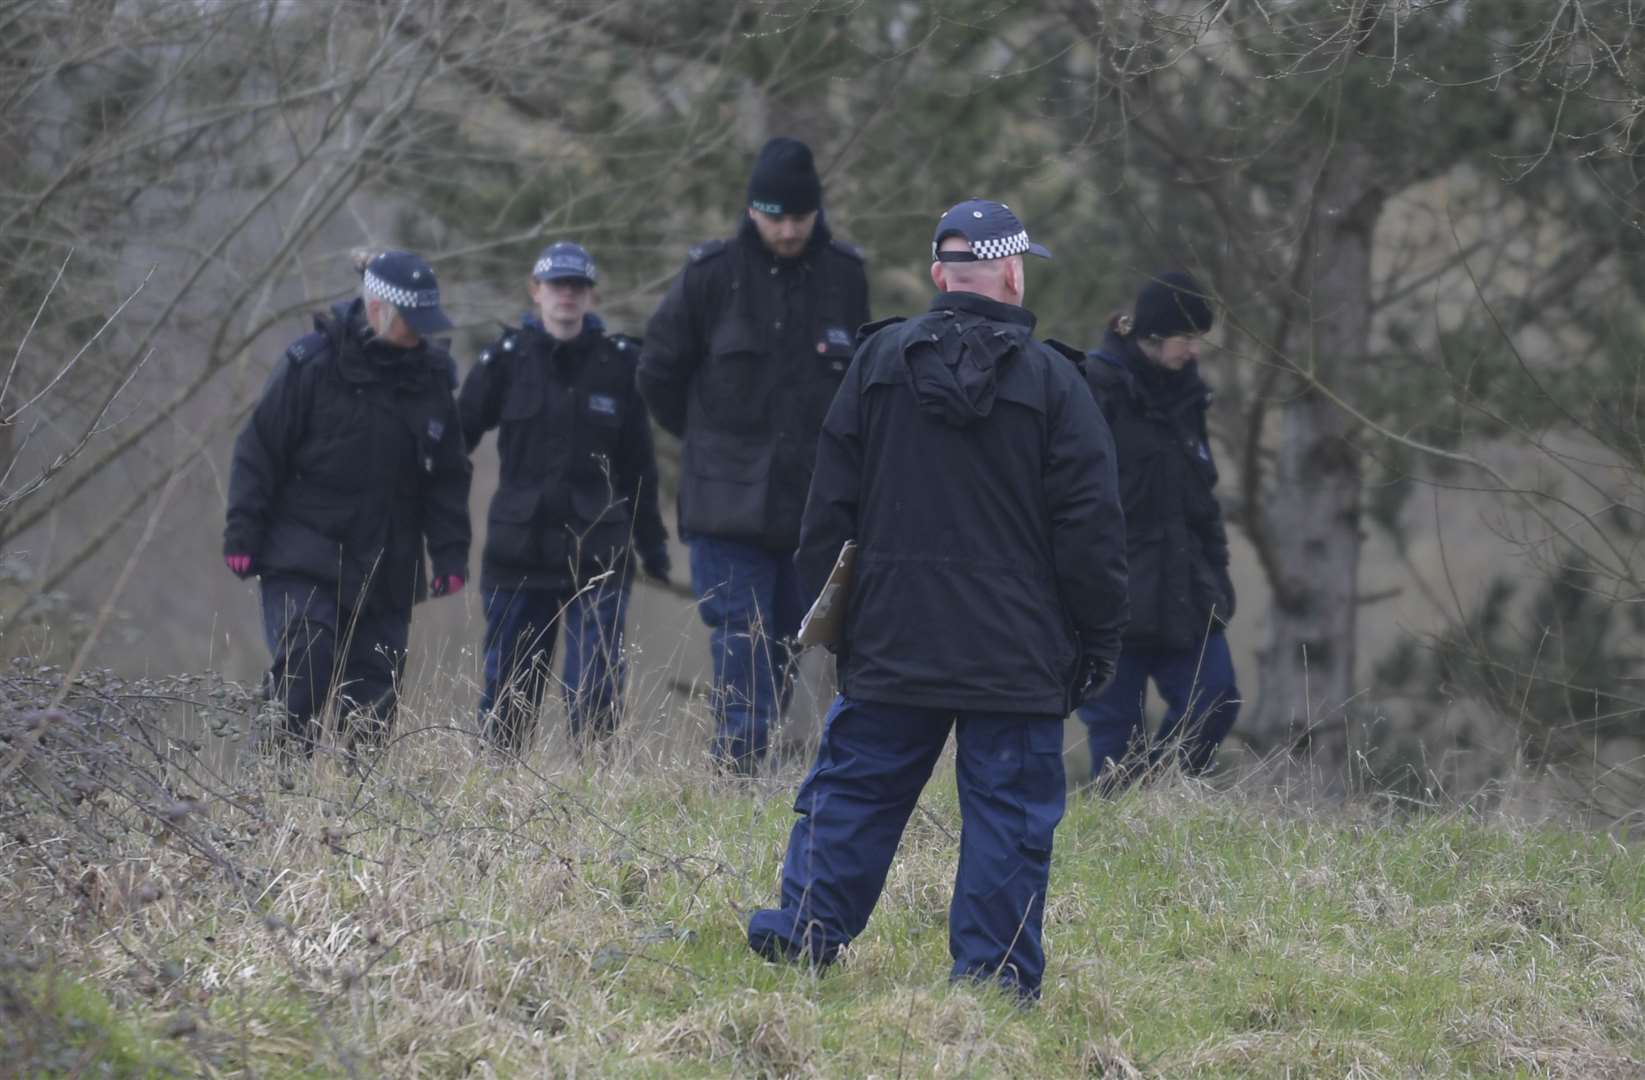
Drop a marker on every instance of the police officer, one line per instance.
(351, 461)
(972, 468)
(1146, 377)
(578, 484)
(741, 361)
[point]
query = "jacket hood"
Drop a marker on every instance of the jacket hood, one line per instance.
(344, 318)
(955, 366)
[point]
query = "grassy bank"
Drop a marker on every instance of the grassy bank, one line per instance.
(452, 918)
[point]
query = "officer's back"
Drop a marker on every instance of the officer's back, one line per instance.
(973, 469)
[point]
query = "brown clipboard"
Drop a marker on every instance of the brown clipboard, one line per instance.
(825, 622)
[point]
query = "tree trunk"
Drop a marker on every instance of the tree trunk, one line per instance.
(1310, 509)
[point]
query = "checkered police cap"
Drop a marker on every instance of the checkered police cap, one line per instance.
(992, 230)
(565, 261)
(406, 281)
(403, 279)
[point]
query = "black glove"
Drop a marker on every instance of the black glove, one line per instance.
(1096, 672)
(656, 564)
(1225, 585)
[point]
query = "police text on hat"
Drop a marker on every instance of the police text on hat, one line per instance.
(565, 261)
(785, 179)
(991, 229)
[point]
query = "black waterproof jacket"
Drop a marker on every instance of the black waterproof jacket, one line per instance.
(977, 476)
(1176, 544)
(741, 360)
(578, 476)
(351, 461)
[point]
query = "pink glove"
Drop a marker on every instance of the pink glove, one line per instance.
(240, 564)
(450, 585)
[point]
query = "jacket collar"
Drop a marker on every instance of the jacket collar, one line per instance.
(362, 358)
(982, 307)
(536, 332)
(1149, 383)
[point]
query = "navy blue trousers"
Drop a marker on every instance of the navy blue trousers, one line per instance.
(1202, 703)
(749, 597)
(519, 654)
(320, 647)
(873, 762)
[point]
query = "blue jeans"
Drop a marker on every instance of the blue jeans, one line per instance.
(1202, 703)
(320, 648)
(749, 597)
(873, 762)
(521, 625)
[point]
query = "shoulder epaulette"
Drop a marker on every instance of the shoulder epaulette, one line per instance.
(1067, 350)
(707, 250)
(867, 330)
(845, 247)
(307, 347)
(506, 345)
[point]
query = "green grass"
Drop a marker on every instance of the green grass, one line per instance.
(481, 921)
(55, 1025)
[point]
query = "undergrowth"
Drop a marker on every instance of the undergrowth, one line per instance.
(174, 908)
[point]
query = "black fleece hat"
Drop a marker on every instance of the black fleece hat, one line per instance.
(1172, 303)
(785, 179)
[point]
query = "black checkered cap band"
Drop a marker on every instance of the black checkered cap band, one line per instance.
(399, 297)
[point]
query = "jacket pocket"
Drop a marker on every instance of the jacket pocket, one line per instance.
(296, 547)
(833, 357)
(600, 534)
(510, 527)
(1047, 784)
(723, 489)
(523, 399)
(1145, 564)
(594, 506)
(325, 511)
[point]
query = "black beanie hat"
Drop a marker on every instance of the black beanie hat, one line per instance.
(1172, 303)
(785, 179)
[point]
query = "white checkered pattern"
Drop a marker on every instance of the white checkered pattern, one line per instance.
(400, 298)
(1000, 247)
(997, 248)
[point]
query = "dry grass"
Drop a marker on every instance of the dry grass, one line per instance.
(451, 915)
